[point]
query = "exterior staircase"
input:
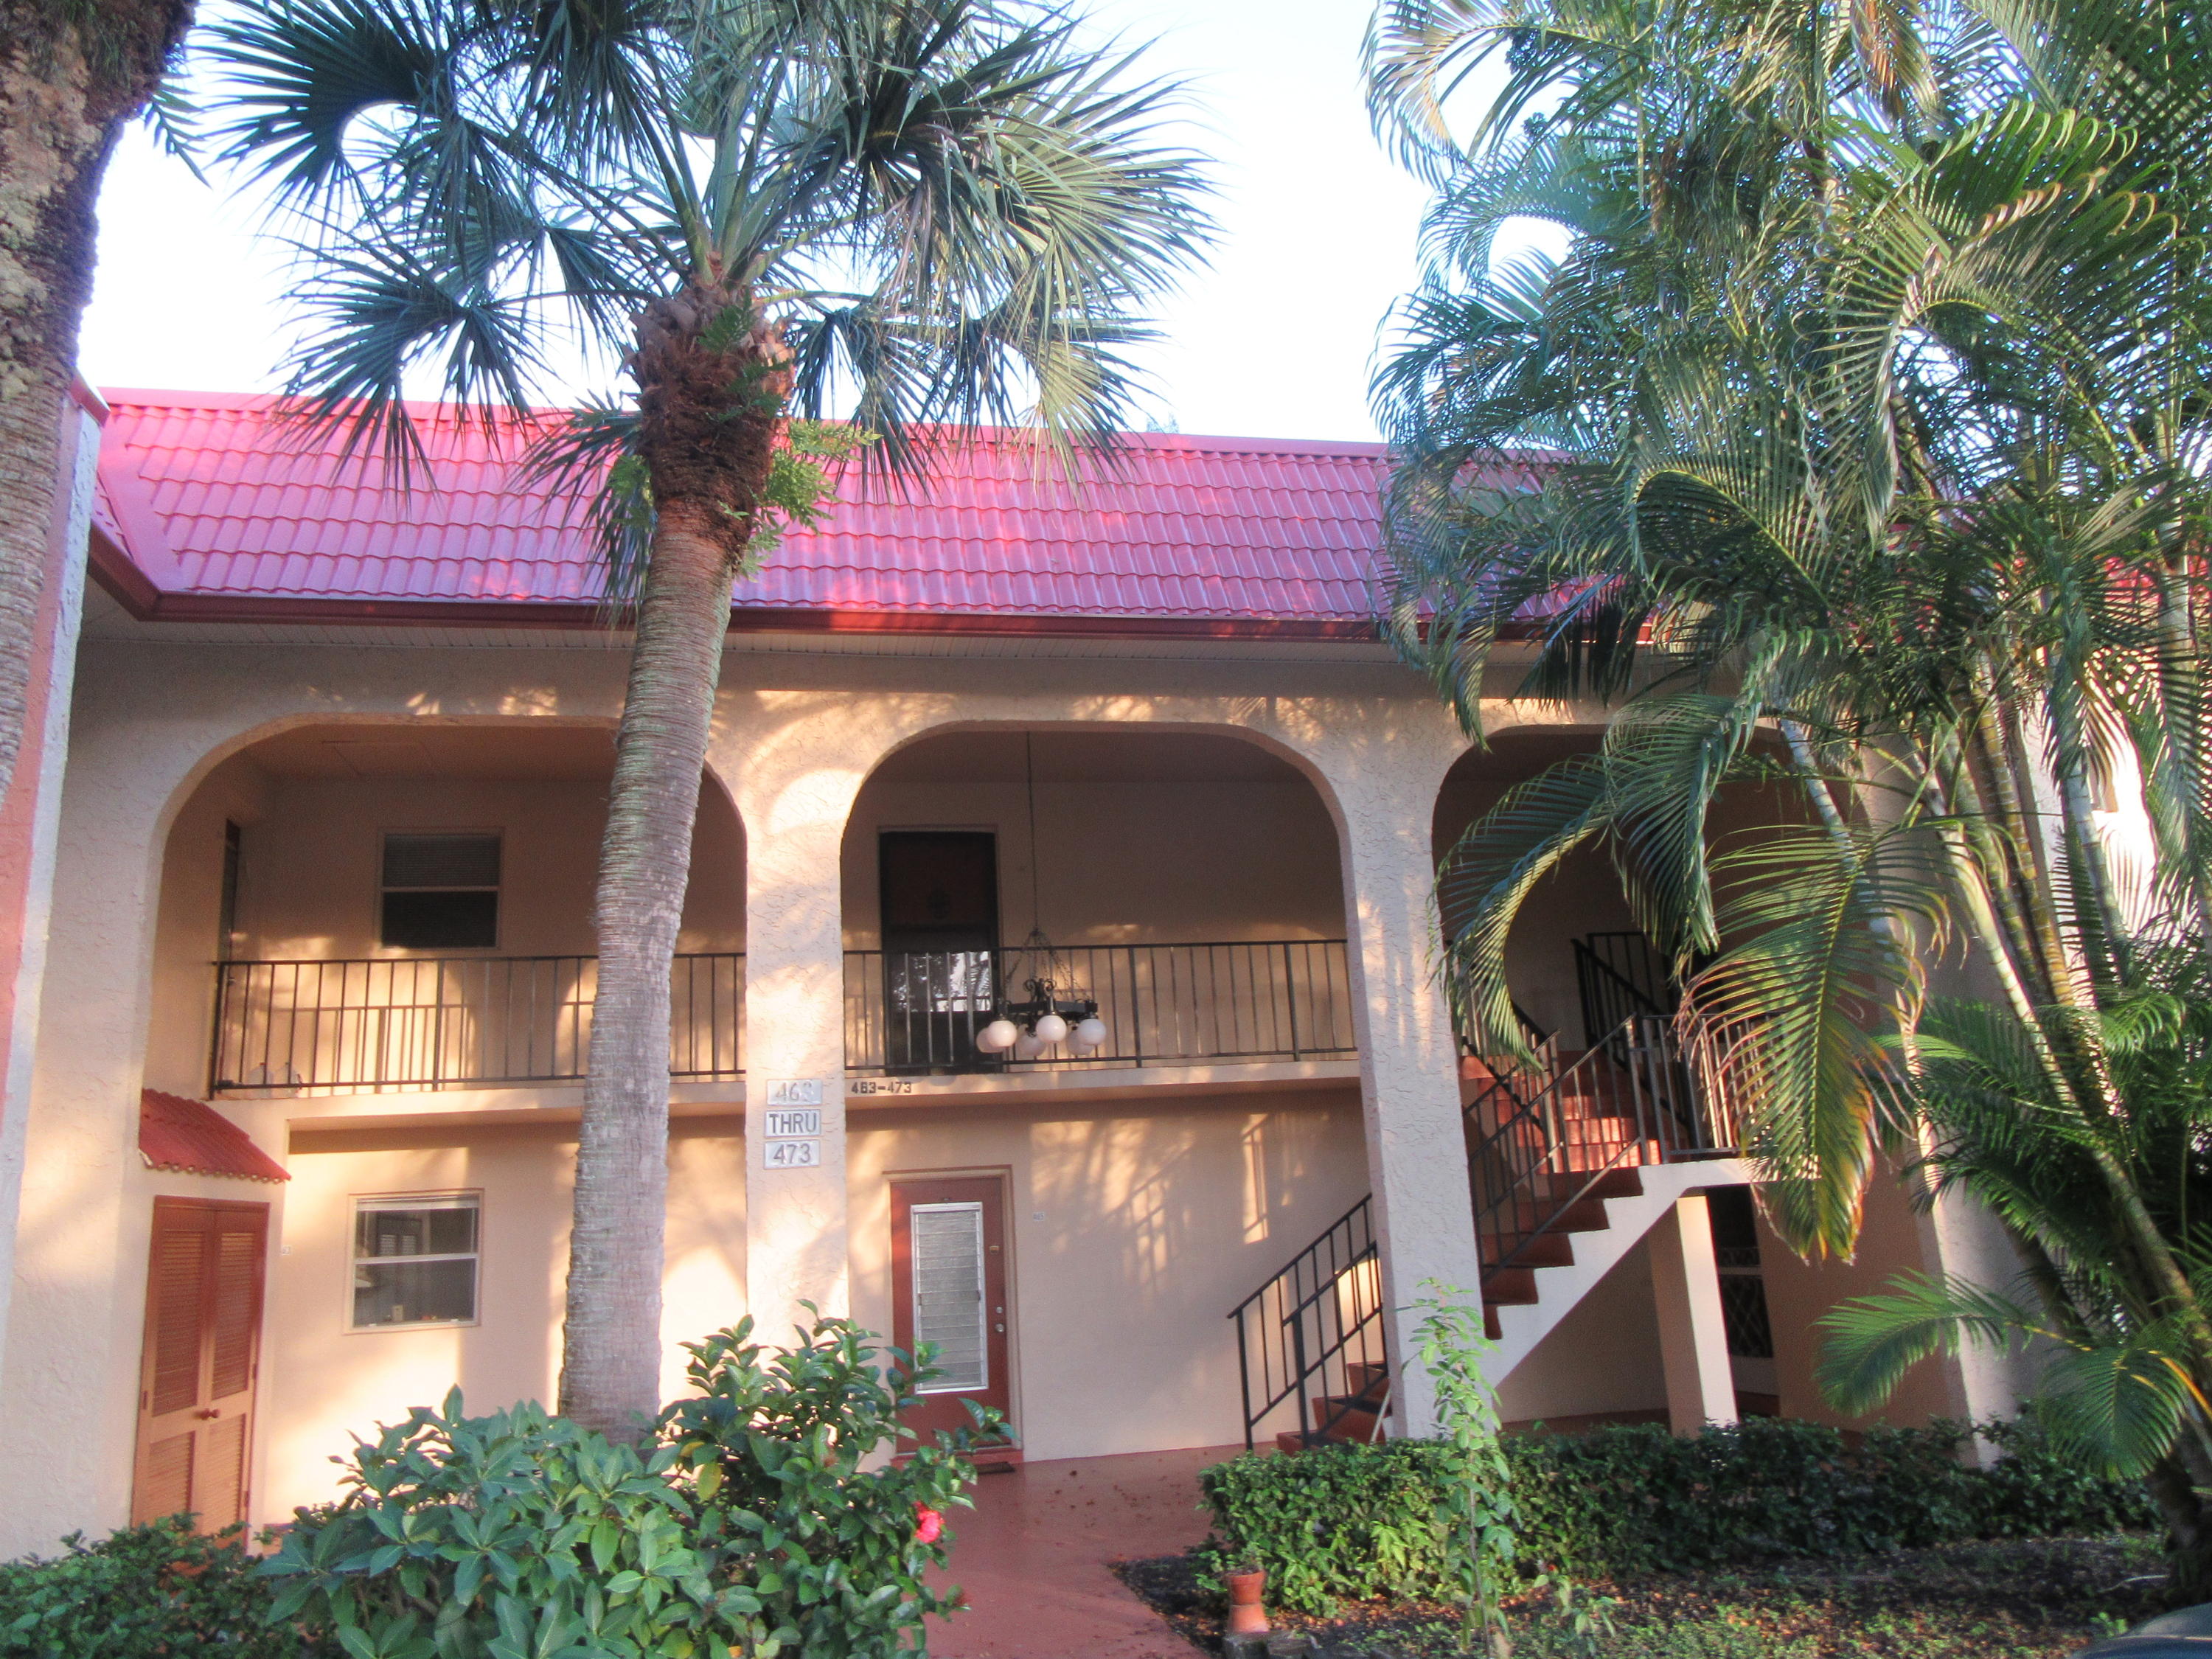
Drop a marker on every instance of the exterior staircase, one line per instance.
(1571, 1159)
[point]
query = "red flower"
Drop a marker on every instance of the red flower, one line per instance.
(928, 1524)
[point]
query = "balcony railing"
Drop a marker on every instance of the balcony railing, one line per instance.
(372, 1024)
(1163, 1004)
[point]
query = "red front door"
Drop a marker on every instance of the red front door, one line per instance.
(202, 1349)
(949, 1288)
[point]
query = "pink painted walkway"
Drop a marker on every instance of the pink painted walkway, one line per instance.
(1032, 1557)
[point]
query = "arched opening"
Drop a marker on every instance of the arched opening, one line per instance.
(371, 907)
(1609, 1097)
(1188, 888)
(1182, 889)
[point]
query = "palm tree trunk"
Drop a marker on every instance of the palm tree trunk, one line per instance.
(710, 419)
(2189, 1532)
(610, 1356)
(71, 72)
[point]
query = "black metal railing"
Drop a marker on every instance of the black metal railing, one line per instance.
(1163, 1005)
(1627, 1100)
(375, 1024)
(1621, 976)
(1310, 1342)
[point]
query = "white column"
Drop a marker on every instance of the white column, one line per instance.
(1692, 1336)
(31, 820)
(795, 1216)
(1408, 1057)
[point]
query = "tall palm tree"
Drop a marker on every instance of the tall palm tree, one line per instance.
(922, 215)
(1880, 437)
(72, 73)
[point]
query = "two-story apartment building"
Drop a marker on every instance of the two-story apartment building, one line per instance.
(317, 998)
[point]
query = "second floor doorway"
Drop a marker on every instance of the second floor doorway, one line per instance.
(939, 895)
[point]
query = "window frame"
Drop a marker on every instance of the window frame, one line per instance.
(453, 1199)
(498, 836)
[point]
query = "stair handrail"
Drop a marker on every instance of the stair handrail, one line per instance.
(1609, 996)
(1655, 1083)
(1286, 1350)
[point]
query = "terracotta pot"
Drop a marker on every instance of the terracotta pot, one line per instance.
(1246, 1616)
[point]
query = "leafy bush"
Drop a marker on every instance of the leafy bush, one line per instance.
(154, 1590)
(747, 1522)
(1349, 1523)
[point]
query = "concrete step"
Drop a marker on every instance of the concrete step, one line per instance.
(1514, 1286)
(1545, 1250)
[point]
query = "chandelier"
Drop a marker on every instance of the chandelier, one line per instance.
(1058, 1009)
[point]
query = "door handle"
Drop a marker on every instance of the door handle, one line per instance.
(212, 1411)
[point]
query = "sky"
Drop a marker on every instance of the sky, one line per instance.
(1275, 337)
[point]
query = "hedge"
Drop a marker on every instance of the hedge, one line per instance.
(152, 1592)
(1351, 1522)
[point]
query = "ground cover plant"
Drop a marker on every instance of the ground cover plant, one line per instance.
(2009, 1599)
(160, 1589)
(1356, 1523)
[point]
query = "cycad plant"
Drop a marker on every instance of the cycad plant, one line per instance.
(915, 216)
(1872, 381)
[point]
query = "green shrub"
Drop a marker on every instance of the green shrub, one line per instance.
(747, 1522)
(154, 1590)
(1349, 1523)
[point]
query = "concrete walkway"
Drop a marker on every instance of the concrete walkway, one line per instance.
(1032, 1557)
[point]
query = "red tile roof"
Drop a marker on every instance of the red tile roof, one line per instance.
(192, 1138)
(218, 512)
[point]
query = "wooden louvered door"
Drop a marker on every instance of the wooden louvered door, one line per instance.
(203, 1284)
(949, 1287)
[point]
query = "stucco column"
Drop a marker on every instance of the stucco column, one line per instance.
(1692, 1336)
(794, 804)
(1408, 1057)
(30, 815)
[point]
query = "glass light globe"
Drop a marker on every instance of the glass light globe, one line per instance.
(1091, 1034)
(998, 1036)
(1052, 1029)
(1027, 1046)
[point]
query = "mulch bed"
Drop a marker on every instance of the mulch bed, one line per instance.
(2024, 1599)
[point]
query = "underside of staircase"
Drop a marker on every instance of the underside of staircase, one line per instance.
(1548, 1234)
(1573, 1156)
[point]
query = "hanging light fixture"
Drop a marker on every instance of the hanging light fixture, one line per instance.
(1058, 1009)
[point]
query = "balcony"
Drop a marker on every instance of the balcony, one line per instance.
(374, 1024)
(1163, 1004)
(370, 1025)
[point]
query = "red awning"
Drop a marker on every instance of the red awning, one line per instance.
(192, 1138)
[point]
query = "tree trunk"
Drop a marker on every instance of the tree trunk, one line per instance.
(71, 73)
(709, 422)
(2189, 1532)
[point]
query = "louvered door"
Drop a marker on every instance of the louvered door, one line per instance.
(204, 1285)
(949, 1287)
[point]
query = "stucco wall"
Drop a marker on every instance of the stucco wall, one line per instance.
(1604, 1357)
(1124, 863)
(324, 1383)
(1135, 1227)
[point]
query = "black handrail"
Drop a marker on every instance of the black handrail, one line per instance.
(1318, 1322)
(1619, 976)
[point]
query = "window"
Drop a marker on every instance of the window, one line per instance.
(440, 892)
(413, 1262)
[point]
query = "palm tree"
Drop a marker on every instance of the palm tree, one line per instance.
(920, 214)
(1876, 395)
(72, 72)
